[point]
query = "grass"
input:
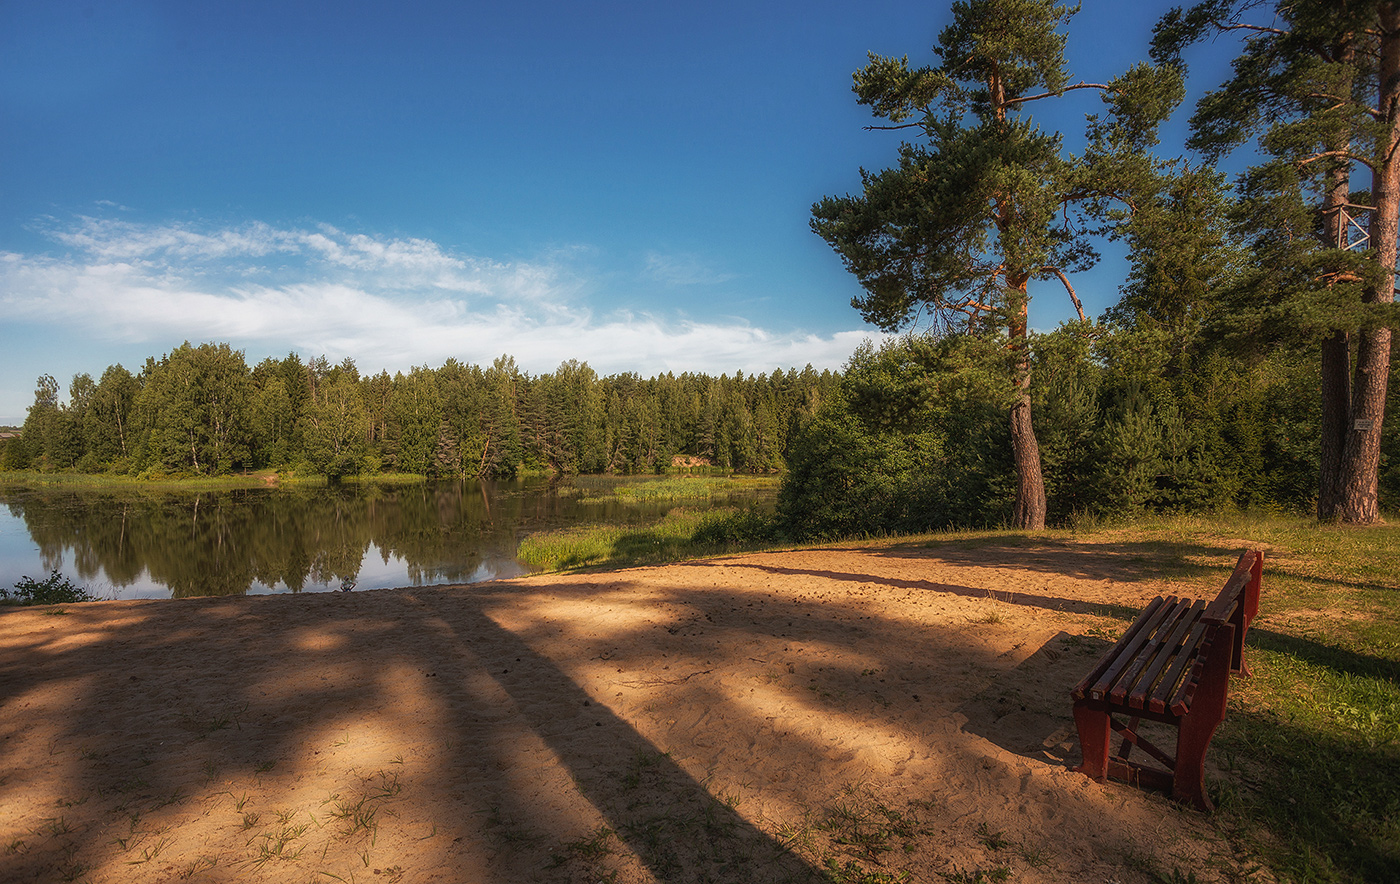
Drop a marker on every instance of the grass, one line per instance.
(31, 479)
(685, 488)
(25, 479)
(681, 534)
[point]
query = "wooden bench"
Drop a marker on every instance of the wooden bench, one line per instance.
(1173, 665)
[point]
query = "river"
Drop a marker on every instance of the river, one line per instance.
(153, 543)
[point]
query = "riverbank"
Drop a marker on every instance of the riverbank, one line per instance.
(831, 714)
(15, 479)
(557, 727)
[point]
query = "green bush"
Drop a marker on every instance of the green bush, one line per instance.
(53, 590)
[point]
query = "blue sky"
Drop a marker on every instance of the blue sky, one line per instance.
(627, 184)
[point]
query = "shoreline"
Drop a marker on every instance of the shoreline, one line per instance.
(753, 717)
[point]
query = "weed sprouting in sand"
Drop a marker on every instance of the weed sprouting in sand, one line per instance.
(194, 867)
(588, 851)
(150, 853)
(358, 817)
(853, 873)
(864, 826)
(279, 844)
(989, 839)
(988, 876)
(358, 814)
(204, 724)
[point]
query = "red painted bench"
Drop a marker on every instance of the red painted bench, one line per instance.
(1173, 665)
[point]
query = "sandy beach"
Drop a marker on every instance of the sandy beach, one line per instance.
(766, 717)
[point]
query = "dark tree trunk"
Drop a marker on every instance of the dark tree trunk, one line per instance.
(1028, 512)
(1336, 350)
(1361, 453)
(1336, 414)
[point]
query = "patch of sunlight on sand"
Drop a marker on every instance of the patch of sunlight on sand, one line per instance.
(880, 749)
(322, 639)
(622, 614)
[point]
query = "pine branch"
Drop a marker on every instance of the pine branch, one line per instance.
(1260, 28)
(1069, 288)
(1010, 101)
(1344, 154)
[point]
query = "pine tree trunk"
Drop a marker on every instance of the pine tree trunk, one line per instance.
(1028, 512)
(1336, 350)
(1361, 454)
(1336, 413)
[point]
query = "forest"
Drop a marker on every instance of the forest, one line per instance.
(200, 410)
(1245, 365)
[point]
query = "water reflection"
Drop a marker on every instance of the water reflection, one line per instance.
(137, 543)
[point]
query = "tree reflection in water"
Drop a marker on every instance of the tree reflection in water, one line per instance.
(294, 539)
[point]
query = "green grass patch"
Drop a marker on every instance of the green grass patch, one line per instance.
(685, 488)
(681, 534)
(29, 479)
(69, 481)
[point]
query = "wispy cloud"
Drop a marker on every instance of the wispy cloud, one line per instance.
(683, 270)
(387, 302)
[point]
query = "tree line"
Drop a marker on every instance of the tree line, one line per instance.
(201, 410)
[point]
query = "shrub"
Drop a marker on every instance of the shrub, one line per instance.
(53, 590)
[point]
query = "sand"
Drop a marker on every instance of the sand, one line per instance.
(781, 716)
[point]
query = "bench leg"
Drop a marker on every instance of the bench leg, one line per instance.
(1094, 731)
(1199, 724)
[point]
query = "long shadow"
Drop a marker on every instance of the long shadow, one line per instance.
(1123, 562)
(253, 725)
(1326, 656)
(1027, 599)
(678, 830)
(1027, 711)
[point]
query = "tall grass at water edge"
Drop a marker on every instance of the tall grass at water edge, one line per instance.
(683, 533)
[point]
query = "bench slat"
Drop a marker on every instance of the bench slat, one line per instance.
(1123, 658)
(1081, 690)
(1154, 655)
(1171, 682)
(1172, 662)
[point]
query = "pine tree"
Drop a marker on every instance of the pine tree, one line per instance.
(988, 202)
(1318, 87)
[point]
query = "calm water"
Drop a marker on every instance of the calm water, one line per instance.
(145, 544)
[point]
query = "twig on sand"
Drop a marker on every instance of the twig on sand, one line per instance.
(653, 682)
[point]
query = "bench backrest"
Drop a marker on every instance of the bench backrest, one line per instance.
(1238, 602)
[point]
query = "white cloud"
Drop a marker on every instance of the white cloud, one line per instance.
(386, 302)
(683, 270)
